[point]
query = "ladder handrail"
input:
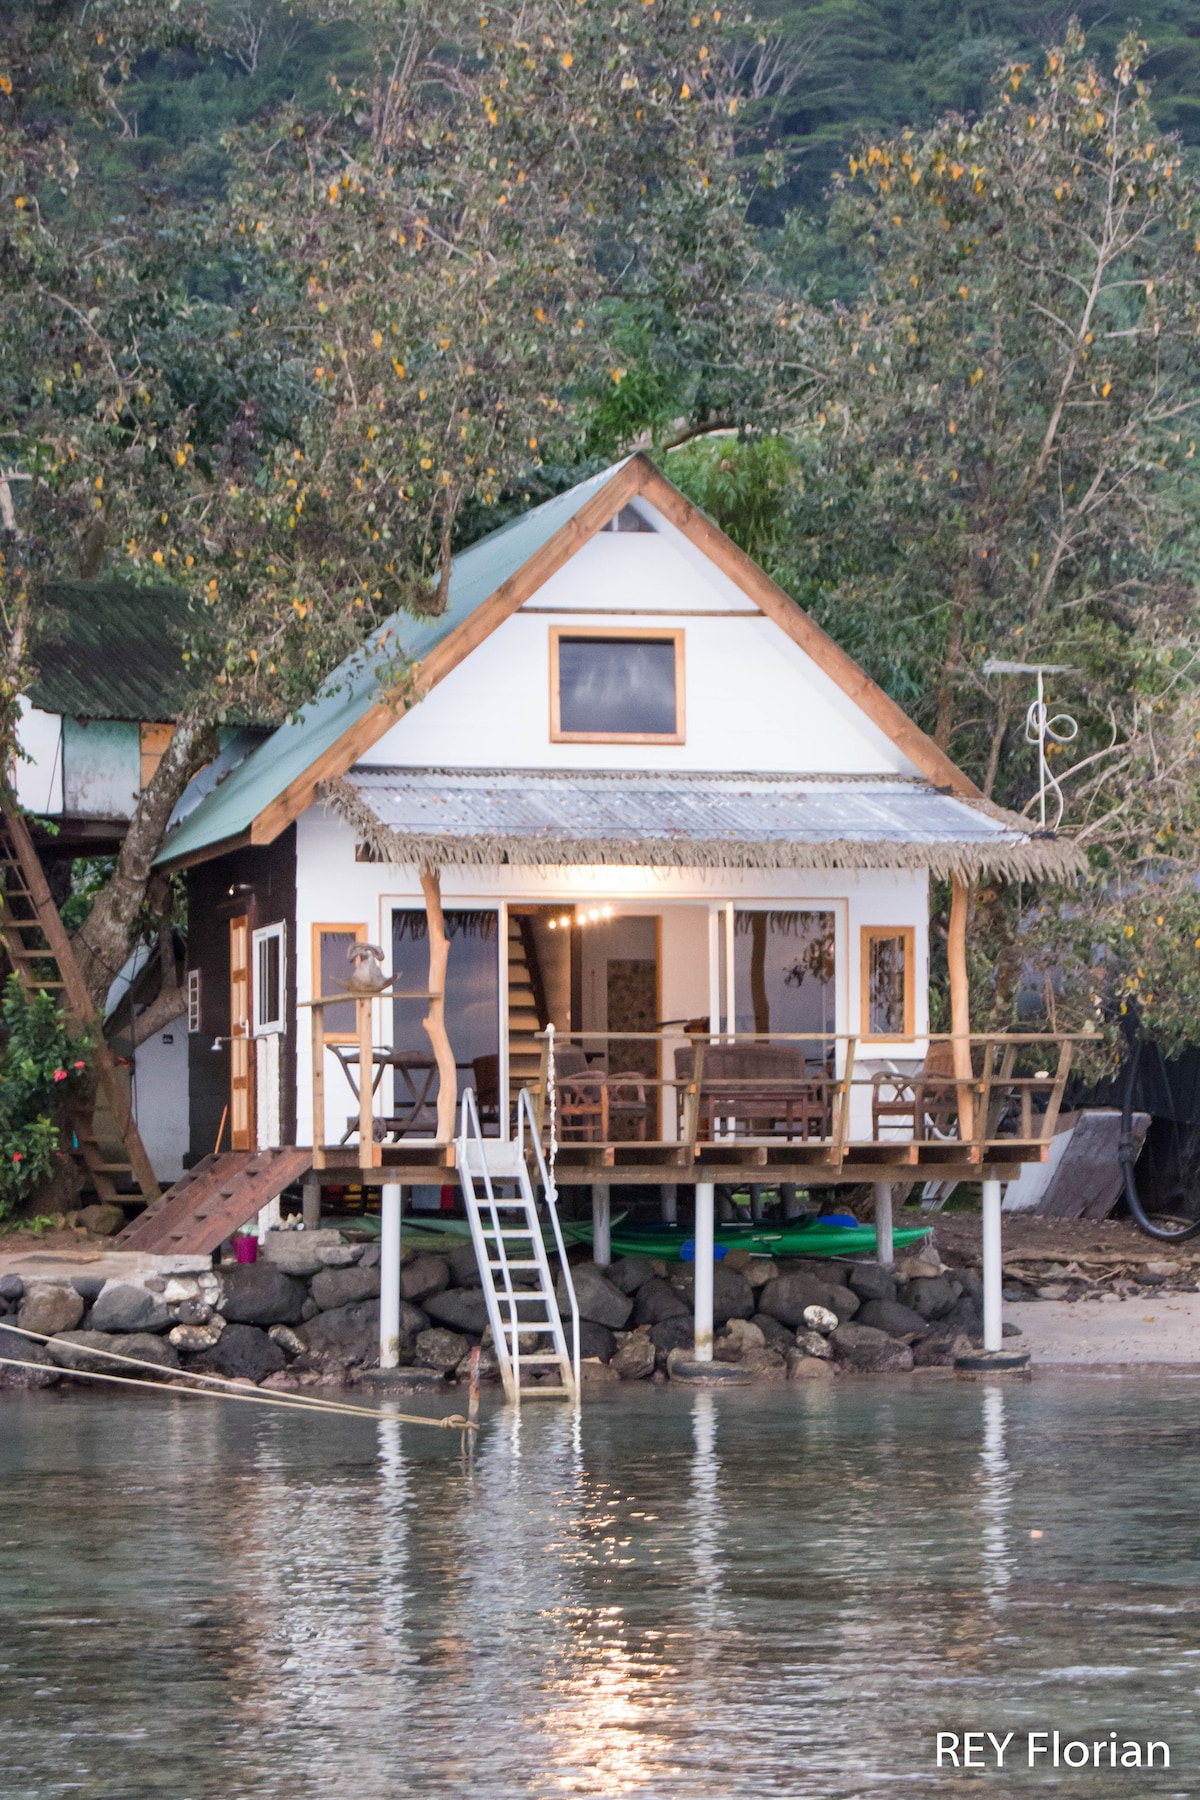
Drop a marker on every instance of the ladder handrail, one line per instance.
(470, 1127)
(527, 1116)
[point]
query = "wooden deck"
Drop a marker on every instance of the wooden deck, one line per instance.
(737, 1161)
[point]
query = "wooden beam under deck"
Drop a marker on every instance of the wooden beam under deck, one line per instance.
(737, 1162)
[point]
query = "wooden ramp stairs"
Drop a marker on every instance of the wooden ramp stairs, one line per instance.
(214, 1198)
(39, 950)
(510, 1248)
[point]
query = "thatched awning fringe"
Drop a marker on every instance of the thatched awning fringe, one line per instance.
(1008, 857)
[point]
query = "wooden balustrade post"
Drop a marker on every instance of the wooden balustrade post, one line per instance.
(318, 1084)
(435, 1019)
(960, 1005)
(370, 1154)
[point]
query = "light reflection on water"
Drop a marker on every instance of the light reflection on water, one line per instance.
(774, 1593)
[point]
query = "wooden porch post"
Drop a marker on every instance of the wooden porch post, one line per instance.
(960, 1004)
(435, 1020)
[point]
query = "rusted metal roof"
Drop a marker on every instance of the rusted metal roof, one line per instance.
(737, 821)
(110, 650)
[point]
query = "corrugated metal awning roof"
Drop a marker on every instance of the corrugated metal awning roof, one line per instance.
(439, 816)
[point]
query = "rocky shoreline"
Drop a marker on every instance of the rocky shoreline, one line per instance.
(307, 1314)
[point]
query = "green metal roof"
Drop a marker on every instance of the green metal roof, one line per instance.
(476, 573)
(109, 650)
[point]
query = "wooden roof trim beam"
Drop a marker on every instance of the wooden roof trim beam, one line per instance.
(507, 599)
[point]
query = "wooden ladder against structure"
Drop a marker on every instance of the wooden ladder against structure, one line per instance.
(507, 1234)
(214, 1197)
(526, 1006)
(37, 946)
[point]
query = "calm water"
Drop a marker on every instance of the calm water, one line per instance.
(783, 1593)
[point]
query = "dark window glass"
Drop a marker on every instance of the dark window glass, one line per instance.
(624, 685)
(887, 978)
(783, 972)
(267, 984)
(472, 982)
(336, 970)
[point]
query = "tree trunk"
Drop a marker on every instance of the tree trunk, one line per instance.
(101, 944)
(435, 1020)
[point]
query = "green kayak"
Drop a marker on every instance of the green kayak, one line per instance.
(667, 1241)
(813, 1239)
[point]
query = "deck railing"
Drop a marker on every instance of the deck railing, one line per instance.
(831, 1096)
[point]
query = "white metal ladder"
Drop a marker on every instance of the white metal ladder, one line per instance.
(500, 1225)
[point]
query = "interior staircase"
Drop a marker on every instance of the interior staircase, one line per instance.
(510, 1249)
(36, 943)
(526, 1007)
(212, 1199)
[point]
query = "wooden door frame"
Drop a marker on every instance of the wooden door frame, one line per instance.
(241, 1039)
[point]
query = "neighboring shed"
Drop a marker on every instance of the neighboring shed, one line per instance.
(98, 714)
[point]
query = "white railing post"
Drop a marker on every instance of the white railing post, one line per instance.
(993, 1267)
(389, 1277)
(703, 1283)
(601, 1225)
(885, 1253)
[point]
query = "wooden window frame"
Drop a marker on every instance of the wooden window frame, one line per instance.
(260, 1027)
(193, 1000)
(359, 931)
(867, 933)
(662, 635)
(154, 740)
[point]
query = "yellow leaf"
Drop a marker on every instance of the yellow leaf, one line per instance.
(566, 59)
(685, 92)
(426, 463)
(1106, 390)
(377, 339)
(962, 293)
(5, 85)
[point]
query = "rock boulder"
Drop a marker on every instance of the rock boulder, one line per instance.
(635, 1359)
(871, 1282)
(594, 1340)
(629, 1273)
(657, 1301)
(888, 1315)
(123, 1307)
(438, 1348)
(462, 1309)
(423, 1276)
(342, 1287)
(241, 1351)
(44, 1374)
(786, 1297)
(599, 1299)
(865, 1347)
(48, 1308)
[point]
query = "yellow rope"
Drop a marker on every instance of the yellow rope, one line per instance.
(226, 1390)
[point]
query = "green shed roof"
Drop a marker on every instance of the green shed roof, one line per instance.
(231, 808)
(110, 650)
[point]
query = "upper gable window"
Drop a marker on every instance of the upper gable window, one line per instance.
(628, 519)
(616, 687)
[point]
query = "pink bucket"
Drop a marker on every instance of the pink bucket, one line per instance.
(245, 1247)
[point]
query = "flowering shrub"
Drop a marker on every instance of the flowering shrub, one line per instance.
(39, 1068)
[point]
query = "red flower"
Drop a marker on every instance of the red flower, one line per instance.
(18, 1156)
(60, 1074)
(80, 1065)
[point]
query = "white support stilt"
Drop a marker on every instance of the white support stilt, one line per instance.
(670, 1203)
(389, 1278)
(312, 1203)
(704, 1272)
(601, 1225)
(885, 1253)
(993, 1266)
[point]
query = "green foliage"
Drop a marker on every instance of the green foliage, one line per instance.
(39, 1067)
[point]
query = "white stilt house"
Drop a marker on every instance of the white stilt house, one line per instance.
(628, 790)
